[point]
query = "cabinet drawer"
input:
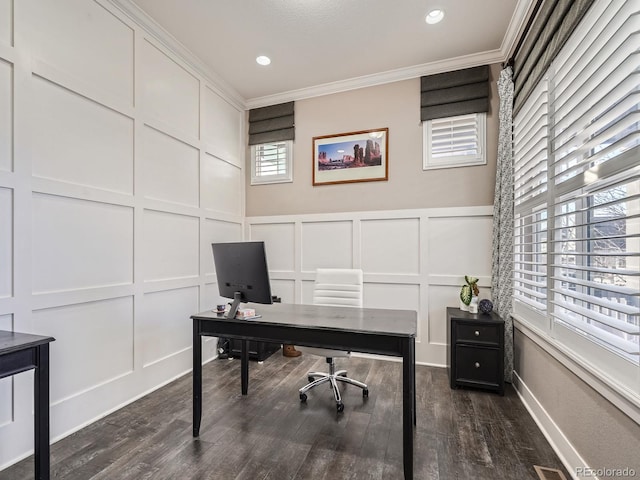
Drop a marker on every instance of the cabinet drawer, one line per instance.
(481, 333)
(477, 365)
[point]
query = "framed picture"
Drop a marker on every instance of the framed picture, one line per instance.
(351, 157)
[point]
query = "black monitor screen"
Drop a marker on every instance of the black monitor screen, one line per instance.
(241, 268)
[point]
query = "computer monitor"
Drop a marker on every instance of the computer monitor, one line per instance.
(241, 268)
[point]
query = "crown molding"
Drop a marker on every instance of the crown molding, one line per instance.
(214, 81)
(448, 65)
(516, 26)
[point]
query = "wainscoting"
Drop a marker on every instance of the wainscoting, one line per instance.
(120, 163)
(413, 259)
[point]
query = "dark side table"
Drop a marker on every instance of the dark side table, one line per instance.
(20, 352)
(475, 350)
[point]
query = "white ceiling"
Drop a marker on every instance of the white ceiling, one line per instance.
(323, 46)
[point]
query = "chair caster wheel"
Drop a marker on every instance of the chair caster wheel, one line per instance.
(303, 397)
(340, 407)
(310, 379)
(344, 375)
(365, 392)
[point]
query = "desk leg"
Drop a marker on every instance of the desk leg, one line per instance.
(244, 367)
(41, 414)
(197, 378)
(408, 409)
(413, 366)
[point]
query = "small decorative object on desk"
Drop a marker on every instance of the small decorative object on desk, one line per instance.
(468, 292)
(220, 308)
(485, 306)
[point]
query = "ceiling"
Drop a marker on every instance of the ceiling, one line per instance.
(325, 46)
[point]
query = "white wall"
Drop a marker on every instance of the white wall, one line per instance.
(411, 259)
(119, 164)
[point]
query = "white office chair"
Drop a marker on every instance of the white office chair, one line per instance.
(338, 288)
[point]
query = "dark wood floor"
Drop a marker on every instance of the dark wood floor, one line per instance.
(270, 435)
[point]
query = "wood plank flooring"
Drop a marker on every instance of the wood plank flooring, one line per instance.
(270, 435)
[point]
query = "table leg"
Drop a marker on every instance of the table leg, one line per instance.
(197, 378)
(244, 367)
(41, 414)
(413, 366)
(408, 401)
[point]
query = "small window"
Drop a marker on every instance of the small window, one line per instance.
(454, 141)
(271, 163)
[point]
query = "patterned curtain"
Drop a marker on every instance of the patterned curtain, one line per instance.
(502, 257)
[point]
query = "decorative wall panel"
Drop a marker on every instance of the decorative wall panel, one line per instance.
(79, 244)
(6, 115)
(90, 43)
(279, 242)
(78, 141)
(285, 289)
(165, 325)
(170, 169)
(218, 231)
(327, 245)
(6, 242)
(169, 92)
(81, 365)
(6, 384)
(384, 239)
(460, 245)
(411, 259)
(222, 186)
(6, 22)
(389, 295)
(171, 246)
(222, 126)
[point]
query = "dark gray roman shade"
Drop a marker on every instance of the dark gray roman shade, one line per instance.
(454, 93)
(554, 21)
(271, 124)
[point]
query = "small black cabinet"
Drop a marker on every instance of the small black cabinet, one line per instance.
(475, 350)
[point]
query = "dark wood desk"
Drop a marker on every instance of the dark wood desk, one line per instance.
(383, 332)
(20, 352)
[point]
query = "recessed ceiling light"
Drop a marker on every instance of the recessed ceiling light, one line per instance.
(434, 16)
(263, 60)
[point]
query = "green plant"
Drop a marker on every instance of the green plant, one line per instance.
(469, 289)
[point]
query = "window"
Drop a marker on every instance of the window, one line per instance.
(454, 141)
(577, 196)
(271, 163)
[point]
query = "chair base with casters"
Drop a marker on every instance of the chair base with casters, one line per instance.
(333, 377)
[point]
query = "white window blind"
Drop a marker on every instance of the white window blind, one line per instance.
(530, 188)
(577, 191)
(271, 163)
(454, 141)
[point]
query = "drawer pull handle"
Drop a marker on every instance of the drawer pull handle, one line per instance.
(477, 333)
(477, 365)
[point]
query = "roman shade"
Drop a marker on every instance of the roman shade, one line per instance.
(553, 22)
(454, 93)
(274, 123)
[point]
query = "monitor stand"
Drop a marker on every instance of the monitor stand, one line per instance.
(237, 298)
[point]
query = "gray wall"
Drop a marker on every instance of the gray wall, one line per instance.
(603, 435)
(393, 105)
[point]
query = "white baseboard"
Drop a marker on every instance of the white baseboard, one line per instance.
(569, 456)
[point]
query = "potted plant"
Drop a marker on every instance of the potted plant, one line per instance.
(469, 292)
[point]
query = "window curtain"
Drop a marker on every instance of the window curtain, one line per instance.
(274, 123)
(502, 255)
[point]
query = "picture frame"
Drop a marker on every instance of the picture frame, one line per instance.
(361, 156)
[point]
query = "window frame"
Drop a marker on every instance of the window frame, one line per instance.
(605, 368)
(431, 163)
(286, 177)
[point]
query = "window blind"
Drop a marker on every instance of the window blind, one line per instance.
(577, 186)
(454, 93)
(274, 123)
(455, 136)
(271, 162)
